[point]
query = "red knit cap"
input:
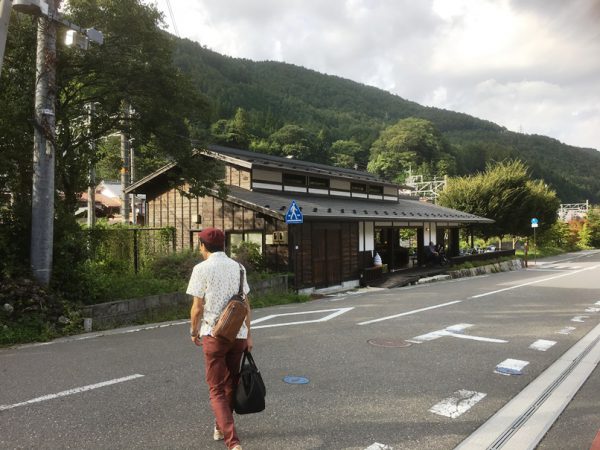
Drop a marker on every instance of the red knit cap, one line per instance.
(212, 236)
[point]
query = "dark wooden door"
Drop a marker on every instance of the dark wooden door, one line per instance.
(327, 255)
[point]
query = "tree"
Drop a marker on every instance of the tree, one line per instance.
(345, 153)
(134, 66)
(296, 142)
(234, 132)
(593, 226)
(505, 194)
(410, 143)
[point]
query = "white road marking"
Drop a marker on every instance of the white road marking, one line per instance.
(456, 331)
(378, 446)
(524, 420)
(458, 404)
(592, 309)
(408, 313)
(334, 313)
(535, 282)
(511, 367)
(566, 330)
(579, 318)
(542, 345)
(597, 303)
(89, 387)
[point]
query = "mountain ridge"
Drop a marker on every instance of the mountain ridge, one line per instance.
(277, 93)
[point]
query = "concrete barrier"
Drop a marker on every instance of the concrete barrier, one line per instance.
(505, 266)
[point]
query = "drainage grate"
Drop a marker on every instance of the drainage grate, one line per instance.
(389, 343)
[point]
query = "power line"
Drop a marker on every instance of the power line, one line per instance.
(172, 18)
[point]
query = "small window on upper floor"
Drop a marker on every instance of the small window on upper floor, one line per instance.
(358, 187)
(318, 183)
(292, 179)
(375, 190)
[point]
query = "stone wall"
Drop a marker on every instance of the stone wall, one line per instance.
(121, 312)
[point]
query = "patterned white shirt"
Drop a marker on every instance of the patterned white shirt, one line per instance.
(217, 279)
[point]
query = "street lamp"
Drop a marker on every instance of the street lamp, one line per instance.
(42, 198)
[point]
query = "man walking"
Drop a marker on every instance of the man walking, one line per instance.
(213, 282)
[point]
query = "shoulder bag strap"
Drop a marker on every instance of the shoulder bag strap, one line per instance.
(241, 290)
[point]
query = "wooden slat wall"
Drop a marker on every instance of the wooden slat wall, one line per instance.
(306, 278)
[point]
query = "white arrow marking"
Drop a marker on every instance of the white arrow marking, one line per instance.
(456, 331)
(334, 313)
(89, 387)
(458, 404)
(542, 345)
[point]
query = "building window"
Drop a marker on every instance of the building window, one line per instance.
(375, 190)
(290, 179)
(254, 237)
(318, 183)
(358, 187)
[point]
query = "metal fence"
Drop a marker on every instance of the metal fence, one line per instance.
(130, 248)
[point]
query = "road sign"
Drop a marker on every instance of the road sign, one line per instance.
(534, 223)
(294, 215)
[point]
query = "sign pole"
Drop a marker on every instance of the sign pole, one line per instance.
(534, 250)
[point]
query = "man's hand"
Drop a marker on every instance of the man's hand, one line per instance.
(249, 343)
(197, 340)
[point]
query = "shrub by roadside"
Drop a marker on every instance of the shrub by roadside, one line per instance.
(29, 312)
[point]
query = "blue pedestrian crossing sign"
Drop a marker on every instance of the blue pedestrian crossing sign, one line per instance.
(294, 215)
(534, 223)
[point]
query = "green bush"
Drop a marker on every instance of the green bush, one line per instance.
(175, 266)
(248, 254)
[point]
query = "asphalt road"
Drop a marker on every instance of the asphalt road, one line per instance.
(143, 388)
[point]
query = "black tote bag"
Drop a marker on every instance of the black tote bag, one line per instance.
(250, 391)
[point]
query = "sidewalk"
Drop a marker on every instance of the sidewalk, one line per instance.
(405, 277)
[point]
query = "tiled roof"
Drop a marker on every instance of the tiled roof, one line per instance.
(278, 162)
(314, 207)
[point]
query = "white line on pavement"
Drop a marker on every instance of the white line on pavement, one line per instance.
(334, 313)
(511, 367)
(542, 345)
(378, 446)
(458, 404)
(89, 387)
(408, 313)
(579, 318)
(535, 282)
(525, 419)
(566, 330)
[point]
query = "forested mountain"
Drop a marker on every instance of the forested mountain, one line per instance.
(274, 94)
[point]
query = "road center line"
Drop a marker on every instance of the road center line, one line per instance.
(535, 282)
(89, 387)
(408, 313)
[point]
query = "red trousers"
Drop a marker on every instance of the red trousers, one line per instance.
(222, 362)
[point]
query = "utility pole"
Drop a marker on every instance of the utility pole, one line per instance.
(42, 195)
(125, 155)
(91, 201)
(4, 20)
(42, 199)
(131, 181)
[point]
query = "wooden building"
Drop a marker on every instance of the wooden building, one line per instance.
(348, 216)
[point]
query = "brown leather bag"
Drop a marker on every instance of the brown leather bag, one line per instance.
(233, 315)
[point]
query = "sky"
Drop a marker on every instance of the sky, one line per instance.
(532, 66)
